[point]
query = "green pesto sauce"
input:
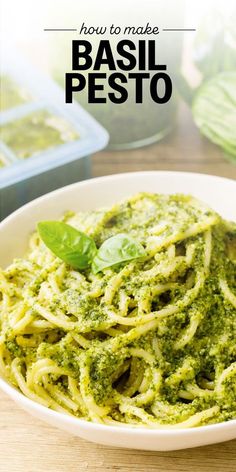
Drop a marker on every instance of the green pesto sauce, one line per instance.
(205, 356)
(37, 132)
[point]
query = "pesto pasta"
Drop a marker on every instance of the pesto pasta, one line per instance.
(148, 341)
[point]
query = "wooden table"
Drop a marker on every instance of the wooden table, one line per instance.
(183, 150)
(28, 445)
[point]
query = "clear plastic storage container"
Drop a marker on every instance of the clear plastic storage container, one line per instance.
(44, 143)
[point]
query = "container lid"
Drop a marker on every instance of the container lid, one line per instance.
(43, 99)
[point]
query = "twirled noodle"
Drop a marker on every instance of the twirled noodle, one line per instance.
(148, 343)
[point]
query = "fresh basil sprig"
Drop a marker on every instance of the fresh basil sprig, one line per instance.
(72, 246)
(117, 249)
(79, 250)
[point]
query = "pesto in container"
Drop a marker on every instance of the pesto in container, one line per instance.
(36, 132)
(130, 124)
(44, 143)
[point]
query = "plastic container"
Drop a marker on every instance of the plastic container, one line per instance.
(44, 143)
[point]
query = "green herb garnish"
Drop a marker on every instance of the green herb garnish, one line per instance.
(72, 246)
(79, 250)
(117, 249)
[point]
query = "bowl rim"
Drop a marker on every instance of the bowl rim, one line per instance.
(72, 420)
(119, 176)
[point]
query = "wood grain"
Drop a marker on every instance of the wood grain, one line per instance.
(183, 150)
(26, 444)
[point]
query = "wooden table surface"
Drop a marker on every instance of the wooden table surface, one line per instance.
(28, 445)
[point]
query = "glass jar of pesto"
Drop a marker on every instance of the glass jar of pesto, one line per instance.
(130, 124)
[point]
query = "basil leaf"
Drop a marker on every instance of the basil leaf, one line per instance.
(118, 248)
(72, 246)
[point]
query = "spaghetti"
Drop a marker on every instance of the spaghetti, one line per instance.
(150, 342)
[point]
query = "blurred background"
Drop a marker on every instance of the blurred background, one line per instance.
(194, 131)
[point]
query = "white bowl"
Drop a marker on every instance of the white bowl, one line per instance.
(218, 192)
